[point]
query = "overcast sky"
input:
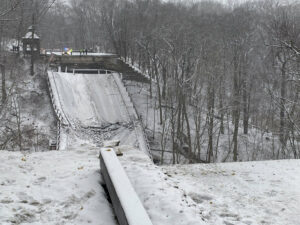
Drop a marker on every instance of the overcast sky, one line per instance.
(230, 2)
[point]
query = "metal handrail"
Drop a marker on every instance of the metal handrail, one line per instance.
(93, 70)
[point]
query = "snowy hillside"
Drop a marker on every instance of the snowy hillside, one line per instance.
(257, 144)
(27, 119)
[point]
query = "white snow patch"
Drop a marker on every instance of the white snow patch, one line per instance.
(29, 35)
(57, 187)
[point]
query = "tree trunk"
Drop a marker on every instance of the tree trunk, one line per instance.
(158, 93)
(3, 76)
(245, 108)
(282, 107)
(211, 111)
(188, 130)
(236, 105)
(221, 105)
(173, 134)
(164, 76)
(1, 33)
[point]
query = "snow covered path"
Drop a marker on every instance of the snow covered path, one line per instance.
(57, 187)
(264, 192)
(88, 100)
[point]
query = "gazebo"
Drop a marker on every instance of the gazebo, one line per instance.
(31, 39)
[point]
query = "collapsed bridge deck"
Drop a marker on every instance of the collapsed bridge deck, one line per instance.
(89, 100)
(95, 106)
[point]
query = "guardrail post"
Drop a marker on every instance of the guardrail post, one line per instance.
(58, 135)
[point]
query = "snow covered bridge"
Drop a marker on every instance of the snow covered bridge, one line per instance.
(87, 102)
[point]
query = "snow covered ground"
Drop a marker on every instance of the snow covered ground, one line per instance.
(265, 192)
(165, 203)
(57, 187)
(64, 187)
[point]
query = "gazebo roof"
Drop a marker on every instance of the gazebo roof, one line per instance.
(28, 35)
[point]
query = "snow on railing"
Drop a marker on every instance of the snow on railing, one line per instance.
(57, 106)
(127, 205)
(57, 103)
(132, 112)
(136, 69)
(141, 124)
(58, 114)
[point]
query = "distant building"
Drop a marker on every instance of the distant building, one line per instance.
(31, 39)
(52, 145)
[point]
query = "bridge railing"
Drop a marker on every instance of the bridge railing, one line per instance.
(97, 71)
(141, 123)
(57, 113)
(132, 112)
(127, 205)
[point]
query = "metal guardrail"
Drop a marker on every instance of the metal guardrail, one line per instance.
(58, 115)
(61, 117)
(98, 71)
(141, 124)
(136, 117)
(141, 121)
(126, 204)
(145, 138)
